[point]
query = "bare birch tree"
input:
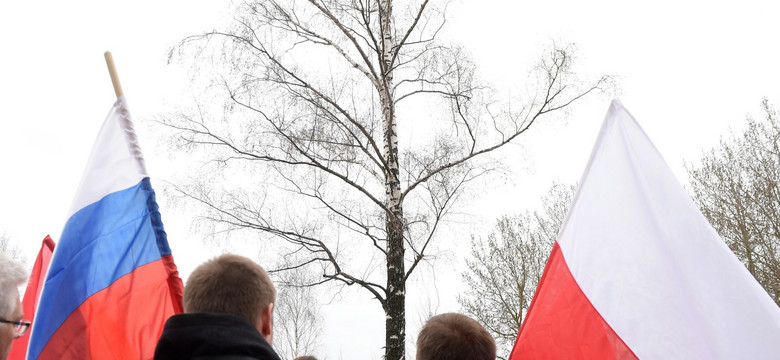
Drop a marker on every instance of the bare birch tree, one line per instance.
(315, 93)
(505, 267)
(737, 187)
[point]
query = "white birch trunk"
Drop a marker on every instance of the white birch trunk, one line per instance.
(395, 336)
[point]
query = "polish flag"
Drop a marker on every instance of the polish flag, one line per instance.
(638, 272)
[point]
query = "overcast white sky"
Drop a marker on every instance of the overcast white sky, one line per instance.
(687, 70)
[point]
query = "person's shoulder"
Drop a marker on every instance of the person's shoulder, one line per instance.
(232, 357)
(208, 319)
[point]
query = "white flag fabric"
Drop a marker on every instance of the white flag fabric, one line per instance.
(638, 272)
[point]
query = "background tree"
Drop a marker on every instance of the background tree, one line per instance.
(737, 188)
(315, 93)
(11, 249)
(298, 323)
(505, 267)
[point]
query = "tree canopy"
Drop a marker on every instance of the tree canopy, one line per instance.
(736, 185)
(505, 267)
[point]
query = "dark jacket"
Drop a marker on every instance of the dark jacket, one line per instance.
(206, 336)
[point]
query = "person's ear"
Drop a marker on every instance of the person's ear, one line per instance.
(267, 323)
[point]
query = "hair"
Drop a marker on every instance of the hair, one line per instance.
(12, 275)
(229, 284)
(453, 336)
(305, 357)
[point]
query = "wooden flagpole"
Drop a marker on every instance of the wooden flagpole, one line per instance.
(114, 75)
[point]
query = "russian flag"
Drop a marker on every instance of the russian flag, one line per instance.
(112, 282)
(638, 272)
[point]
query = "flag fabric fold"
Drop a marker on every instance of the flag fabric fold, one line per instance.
(32, 294)
(638, 272)
(112, 281)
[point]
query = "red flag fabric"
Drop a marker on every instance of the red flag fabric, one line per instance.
(32, 294)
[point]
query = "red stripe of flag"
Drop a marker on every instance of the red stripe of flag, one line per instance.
(561, 323)
(127, 329)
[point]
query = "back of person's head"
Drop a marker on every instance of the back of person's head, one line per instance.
(453, 336)
(305, 357)
(229, 284)
(12, 275)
